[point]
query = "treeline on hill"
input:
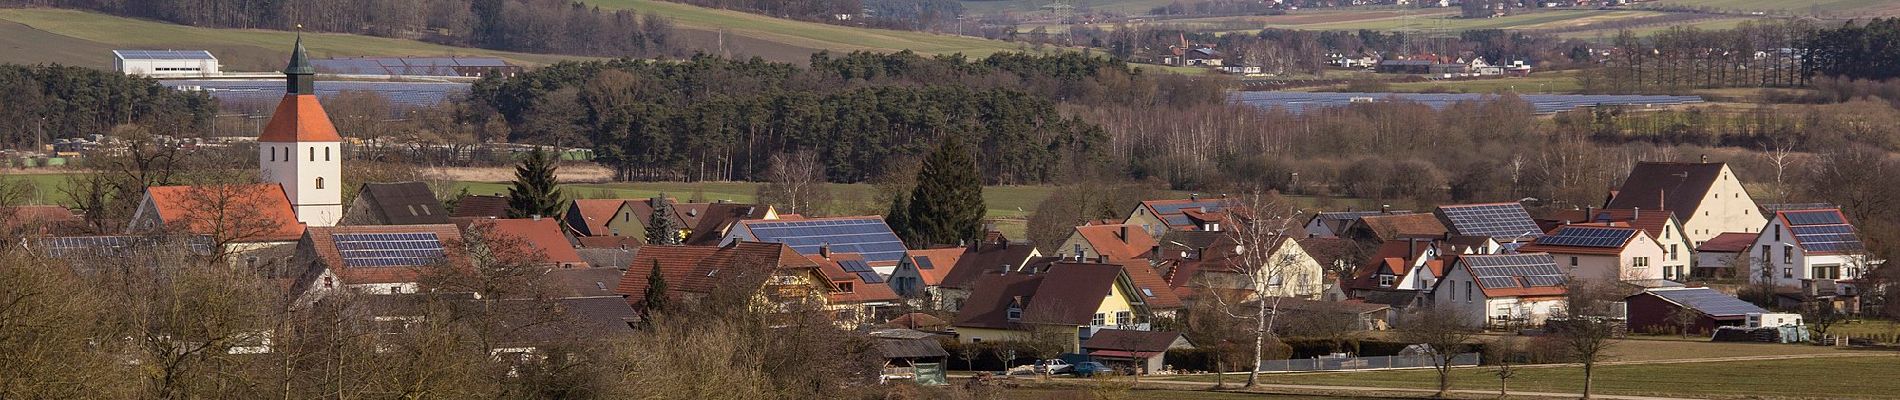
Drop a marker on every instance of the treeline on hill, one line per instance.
(712, 118)
(1860, 51)
(889, 14)
(1754, 54)
(44, 103)
(537, 26)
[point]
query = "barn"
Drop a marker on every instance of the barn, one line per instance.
(165, 63)
(1653, 311)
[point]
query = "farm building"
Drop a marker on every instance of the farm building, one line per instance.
(165, 63)
(1653, 310)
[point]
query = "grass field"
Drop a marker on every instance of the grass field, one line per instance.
(1150, 394)
(1791, 378)
(1130, 7)
(807, 35)
(80, 38)
(1830, 8)
(1549, 82)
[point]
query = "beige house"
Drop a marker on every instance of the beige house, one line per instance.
(1705, 197)
(1602, 252)
(1660, 225)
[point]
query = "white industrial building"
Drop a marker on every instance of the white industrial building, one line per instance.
(165, 63)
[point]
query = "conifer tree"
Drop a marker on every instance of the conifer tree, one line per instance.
(898, 217)
(946, 207)
(661, 229)
(654, 301)
(535, 191)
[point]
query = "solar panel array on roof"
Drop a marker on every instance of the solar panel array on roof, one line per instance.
(1298, 102)
(871, 277)
(868, 237)
(923, 262)
(164, 54)
(854, 266)
(1505, 222)
(1514, 270)
(267, 92)
(1799, 218)
(1827, 238)
(1352, 215)
(83, 246)
(363, 250)
(1776, 207)
(1586, 236)
(1173, 208)
(1709, 302)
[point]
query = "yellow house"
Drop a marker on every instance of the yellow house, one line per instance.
(1160, 216)
(1072, 299)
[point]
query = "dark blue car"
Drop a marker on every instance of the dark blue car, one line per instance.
(1089, 368)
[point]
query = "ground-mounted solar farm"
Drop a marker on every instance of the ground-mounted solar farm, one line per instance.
(401, 94)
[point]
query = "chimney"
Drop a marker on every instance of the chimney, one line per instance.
(1636, 213)
(1705, 158)
(824, 251)
(1194, 197)
(1590, 213)
(1101, 259)
(536, 217)
(1004, 269)
(1385, 208)
(1122, 234)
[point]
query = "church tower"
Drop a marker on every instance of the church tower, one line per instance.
(300, 148)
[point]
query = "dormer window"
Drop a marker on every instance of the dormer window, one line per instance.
(1387, 280)
(1015, 313)
(845, 287)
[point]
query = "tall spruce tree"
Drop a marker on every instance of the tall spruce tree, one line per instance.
(654, 302)
(535, 191)
(661, 229)
(898, 217)
(946, 207)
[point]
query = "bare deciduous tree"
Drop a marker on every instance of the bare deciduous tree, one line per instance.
(1447, 331)
(1589, 324)
(795, 182)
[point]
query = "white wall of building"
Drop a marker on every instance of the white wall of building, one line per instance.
(1725, 208)
(312, 176)
(1789, 264)
(166, 67)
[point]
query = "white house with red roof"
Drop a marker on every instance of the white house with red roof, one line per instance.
(1502, 289)
(1724, 255)
(1799, 246)
(1603, 252)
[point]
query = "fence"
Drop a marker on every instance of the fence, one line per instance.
(1359, 363)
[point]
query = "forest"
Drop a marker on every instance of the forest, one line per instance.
(536, 26)
(44, 103)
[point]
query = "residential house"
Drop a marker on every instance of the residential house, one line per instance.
(1502, 290)
(1144, 351)
(1603, 252)
(379, 259)
(1160, 216)
(1115, 242)
(1070, 299)
(1216, 263)
(404, 203)
(924, 270)
(1507, 223)
(590, 217)
(1800, 247)
(1373, 230)
(541, 237)
(981, 259)
(1412, 264)
(719, 217)
(630, 219)
(859, 295)
(1660, 225)
(1478, 66)
(1655, 310)
(241, 218)
(784, 280)
(867, 236)
(1706, 197)
(1725, 256)
(1332, 224)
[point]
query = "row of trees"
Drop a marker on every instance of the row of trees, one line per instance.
(45, 103)
(540, 26)
(891, 14)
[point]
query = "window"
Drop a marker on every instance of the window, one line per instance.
(273, 155)
(313, 154)
(1015, 313)
(1665, 233)
(1787, 254)
(1098, 320)
(1672, 252)
(1573, 261)
(326, 154)
(1641, 262)
(1765, 252)
(1467, 291)
(1827, 272)
(1787, 272)
(1777, 232)
(1386, 280)
(845, 287)
(1124, 318)
(319, 182)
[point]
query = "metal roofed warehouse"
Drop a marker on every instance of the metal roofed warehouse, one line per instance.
(1298, 102)
(168, 63)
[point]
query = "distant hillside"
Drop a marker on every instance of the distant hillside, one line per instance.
(794, 41)
(39, 35)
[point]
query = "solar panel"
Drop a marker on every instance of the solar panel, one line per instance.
(1504, 271)
(404, 95)
(923, 262)
(369, 250)
(1544, 280)
(1813, 217)
(84, 246)
(1709, 301)
(868, 237)
(1298, 102)
(1584, 236)
(871, 277)
(1504, 222)
(1175, 208)
(854, 266)
(1498, 282)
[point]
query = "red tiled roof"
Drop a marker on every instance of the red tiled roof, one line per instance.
(299, 118)
(1731, 242)
(1150, 288)
(323, 244)
(985, 259)
(489, 206)
(675, 263)
(244, 213)
(1118, 242)
(1388, 227)
(608, 242)
(861, 291)
(991, 297)
(941, 262)
(1071, 292)
(1117, 341)
(543, 235)
(595, 213)
(917, 321)
(38, 219)
(1651, 221)
(701, 268)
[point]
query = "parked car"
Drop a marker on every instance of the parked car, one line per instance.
(1053, 366)
(1090, 368)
